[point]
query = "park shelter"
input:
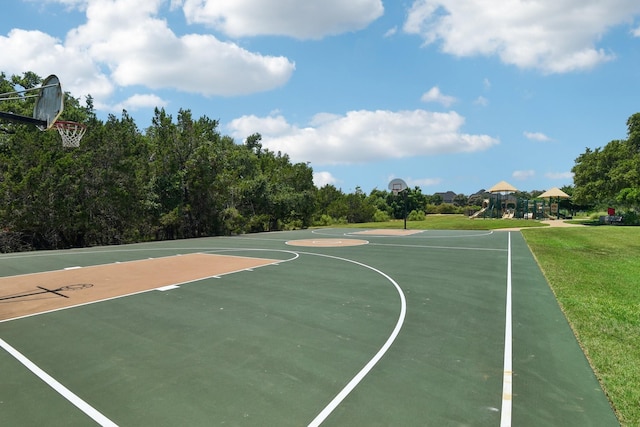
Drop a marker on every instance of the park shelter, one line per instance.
(554, 194)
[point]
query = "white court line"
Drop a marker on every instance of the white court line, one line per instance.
(65, 392)
(319, 419)
(455, 248)
(507, 378)
(423, 235)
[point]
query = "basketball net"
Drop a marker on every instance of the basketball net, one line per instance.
(70, 132)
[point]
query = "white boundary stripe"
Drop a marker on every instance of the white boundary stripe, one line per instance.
(319, 419)
(453, 248)
(426, 234)
(507, 378)
(167, 288)
(65, 392)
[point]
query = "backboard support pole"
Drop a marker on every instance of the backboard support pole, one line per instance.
(22, 119)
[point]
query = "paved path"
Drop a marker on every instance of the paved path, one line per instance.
(560, 223)
(550, 222)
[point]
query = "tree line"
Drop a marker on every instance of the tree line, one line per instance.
(177, 179)
(182, 178)
(610, 175)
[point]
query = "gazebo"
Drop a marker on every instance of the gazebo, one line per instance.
(554, 194)
(500, 189)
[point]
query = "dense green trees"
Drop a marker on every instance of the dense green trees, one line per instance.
(177, 179)
(182, 178)
(611, 175)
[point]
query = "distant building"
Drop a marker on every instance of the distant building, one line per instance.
(447, 197)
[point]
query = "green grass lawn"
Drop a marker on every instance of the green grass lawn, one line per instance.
(595, 275)
(594, 272)
(451, 222)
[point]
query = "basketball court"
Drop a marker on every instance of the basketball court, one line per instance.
(436, 328)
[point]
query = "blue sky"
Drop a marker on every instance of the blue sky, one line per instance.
(445, 94)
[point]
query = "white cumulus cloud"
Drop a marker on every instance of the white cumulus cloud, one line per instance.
(423, 182)
(554, 36)
(308, 19)
(482, 101)
(536, 136)
(559, 175)
(124, 43)
(138, 101)
(320, 179)
(364, 136)
(523, 174)
(140, 49)
(434, 95)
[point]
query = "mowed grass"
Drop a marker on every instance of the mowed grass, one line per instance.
(450, 222)
(595, 275)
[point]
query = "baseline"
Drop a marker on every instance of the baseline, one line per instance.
(89, 410)
(412, 234)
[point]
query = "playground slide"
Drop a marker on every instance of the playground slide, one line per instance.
(508, 215)
(475, 215)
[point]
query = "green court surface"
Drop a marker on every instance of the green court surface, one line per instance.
(438, 328)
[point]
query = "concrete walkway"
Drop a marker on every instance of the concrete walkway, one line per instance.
(560, 223)
(550, 222)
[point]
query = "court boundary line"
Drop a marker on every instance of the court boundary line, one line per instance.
(507, 376)
(70, 396)
(455, 248)
(422, 235)
(353, 383)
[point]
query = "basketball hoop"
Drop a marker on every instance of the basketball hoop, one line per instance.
(70, 132)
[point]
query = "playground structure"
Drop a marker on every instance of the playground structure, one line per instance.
(501, 203)
(513, 207)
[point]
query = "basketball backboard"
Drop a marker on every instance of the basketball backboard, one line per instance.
(397, 185)
(48, 107)
(50, 102)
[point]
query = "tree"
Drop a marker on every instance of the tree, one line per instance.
(460, 200)
(330, 201)
(359, 208)
(610, 174)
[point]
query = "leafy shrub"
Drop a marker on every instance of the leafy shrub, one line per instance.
(381, 216)
(234, 222)
(295, 224)
(630, 218)
(12, 242)
(431, 209)
(446, 208)
(324, 220)
(416, 215)
(258, 223)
